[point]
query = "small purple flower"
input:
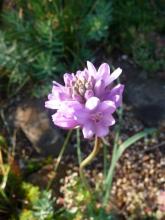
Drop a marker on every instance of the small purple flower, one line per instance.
(95, 117)
(87, 99)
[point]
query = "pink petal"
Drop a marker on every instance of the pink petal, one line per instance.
(88, 130)
(99, 87)
(116, 94)
(107, 106)
(57, 84)
(101, 131)
(88, 94)
(91, 69)
(77, 98)
(104, 68)
(68, 78)
(56, 89)
(115, 75)
(108, 120)
(117, 89)
(104, 73)
(81, 116)
(82, 74)
(64, 122)
(52, 104)
(117, 100)
(92, 103)
(61, 93)
(68, 107)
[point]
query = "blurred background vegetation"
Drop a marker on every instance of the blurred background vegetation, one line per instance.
(41, 39)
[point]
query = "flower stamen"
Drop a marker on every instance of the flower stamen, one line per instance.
(80, 86)
(97, 117)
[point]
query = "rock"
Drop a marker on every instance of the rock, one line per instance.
(146, 95)
(148, 98)
(32, 118)
(42, 177)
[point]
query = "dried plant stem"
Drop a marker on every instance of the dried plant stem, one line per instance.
(62, 150)
(87, 161)
(1, 163)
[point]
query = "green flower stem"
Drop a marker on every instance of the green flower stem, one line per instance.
(105, 152)
(78, 146)
(87, 161)
(92, 155)
(60, 157)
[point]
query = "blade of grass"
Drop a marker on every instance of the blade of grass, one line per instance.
(117, 153)
(132, 140)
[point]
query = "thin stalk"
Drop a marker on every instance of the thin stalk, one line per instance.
(87, 161)
(62, 150)
(78, 146)
(92, 155)
(60, 157)
(105, 159)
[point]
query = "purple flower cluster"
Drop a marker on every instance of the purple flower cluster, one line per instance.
(87, 100)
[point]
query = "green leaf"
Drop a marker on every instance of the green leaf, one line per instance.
(132, 140)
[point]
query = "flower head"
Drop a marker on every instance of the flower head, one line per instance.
(87, 100)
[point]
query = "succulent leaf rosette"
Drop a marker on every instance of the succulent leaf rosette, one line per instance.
(87, 100)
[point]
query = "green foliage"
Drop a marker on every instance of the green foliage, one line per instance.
(11, 195)
(26, 215)
(31, 192)
(39, 204)
(133, 23)
(19, 199)
(131, 17)
(96, 25)
(41, 39)
(43, 207)
(147, 54)
(100, 213)
(25, 200)
(90, 213)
